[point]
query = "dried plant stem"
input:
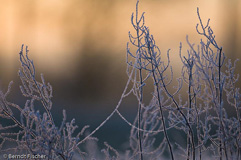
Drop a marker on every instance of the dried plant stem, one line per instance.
(28, 66)
(179, 110)
(153, 68)
(190, 66)
(141, 83)
(221, 126)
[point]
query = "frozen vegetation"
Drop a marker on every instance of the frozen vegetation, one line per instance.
(200, 113)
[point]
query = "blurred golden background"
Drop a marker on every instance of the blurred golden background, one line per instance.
(80, 45)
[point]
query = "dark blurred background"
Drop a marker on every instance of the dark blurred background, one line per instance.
(80, 46)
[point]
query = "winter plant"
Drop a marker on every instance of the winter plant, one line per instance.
(207, 83)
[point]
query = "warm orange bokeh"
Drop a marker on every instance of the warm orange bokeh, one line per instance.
(58, 33)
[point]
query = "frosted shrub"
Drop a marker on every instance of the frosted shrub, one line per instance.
(199, 113)
(209, 129)
(35, 132)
